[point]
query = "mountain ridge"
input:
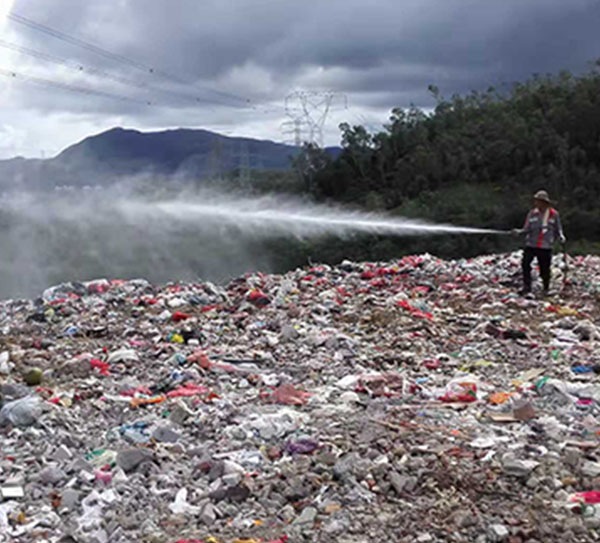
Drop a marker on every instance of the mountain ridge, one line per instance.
(119, 152)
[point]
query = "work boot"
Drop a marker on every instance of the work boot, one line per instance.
(524, 291)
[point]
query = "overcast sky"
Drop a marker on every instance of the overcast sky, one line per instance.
(227, 65)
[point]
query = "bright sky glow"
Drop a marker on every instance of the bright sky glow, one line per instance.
(5, 7)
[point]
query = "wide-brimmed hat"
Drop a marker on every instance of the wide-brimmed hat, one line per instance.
(542, 195)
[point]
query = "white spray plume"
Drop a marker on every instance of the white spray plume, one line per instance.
(73, 236)
(275, 216)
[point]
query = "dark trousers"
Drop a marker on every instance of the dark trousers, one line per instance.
(544, 258)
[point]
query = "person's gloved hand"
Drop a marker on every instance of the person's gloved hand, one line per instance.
(563, 239)
(516, 231)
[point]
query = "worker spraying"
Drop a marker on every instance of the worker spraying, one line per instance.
(542, 228)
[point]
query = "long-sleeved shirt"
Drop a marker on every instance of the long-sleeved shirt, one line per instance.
(542, 228)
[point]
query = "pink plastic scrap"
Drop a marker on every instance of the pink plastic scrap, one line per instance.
(142, 389)
(290, 395)
(189, 389)
(591, 498)
(414, 311)
(200, 358)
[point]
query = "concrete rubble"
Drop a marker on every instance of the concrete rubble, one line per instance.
(415, 400)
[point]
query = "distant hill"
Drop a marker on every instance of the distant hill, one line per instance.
(119, 152)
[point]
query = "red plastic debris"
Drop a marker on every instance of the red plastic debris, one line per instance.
(207, 308)
(104, 367)
(414, 311)
(178, 316)
(431, 364)
(466, 393)
(420, 290)
(258, 298)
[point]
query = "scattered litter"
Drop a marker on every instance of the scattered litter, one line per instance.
(415, 400)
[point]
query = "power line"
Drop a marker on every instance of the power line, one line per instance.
(116, 57)
(73, 88)
(92, 71)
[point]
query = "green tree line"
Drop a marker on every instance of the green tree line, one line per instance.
(473, 160)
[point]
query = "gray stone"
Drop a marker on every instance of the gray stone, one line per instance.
(232, 479)
(52, 475)
(464, 519)
(287, 513)
(62, 454)
(208, 515)
(498, 532)
(80, 464)
(335, 526)
(518, 468)
(129, 459)
(572, 456)
(288, 332)
(590, 469)
(308, 516)
(180, 413)
(346, 465)
(398, 481)
(164, 434)
(411, 483)
(592, 523)
(70, 498)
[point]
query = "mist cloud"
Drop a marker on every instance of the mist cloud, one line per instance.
(80, 235)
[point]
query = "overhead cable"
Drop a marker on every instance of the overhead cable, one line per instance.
(116, 57)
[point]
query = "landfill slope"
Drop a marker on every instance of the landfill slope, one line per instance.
(415, 400)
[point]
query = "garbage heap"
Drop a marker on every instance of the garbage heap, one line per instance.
(419, 400)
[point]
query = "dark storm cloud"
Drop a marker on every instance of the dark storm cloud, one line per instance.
(382, 53)
(202, 40)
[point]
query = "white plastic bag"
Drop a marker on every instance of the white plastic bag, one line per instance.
(21, 412)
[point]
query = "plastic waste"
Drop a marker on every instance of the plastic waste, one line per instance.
(460, 391)
(102, 367)
(136, 432)
(302, 446)
(258, 298)
(178, 316)
(590, 497)
(181, 506)
(290, 395)
(101, 458)
(22, 412)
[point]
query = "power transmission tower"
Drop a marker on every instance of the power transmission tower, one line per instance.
(215, 158)
(310, 109)
(244, 166)
(293, 127)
